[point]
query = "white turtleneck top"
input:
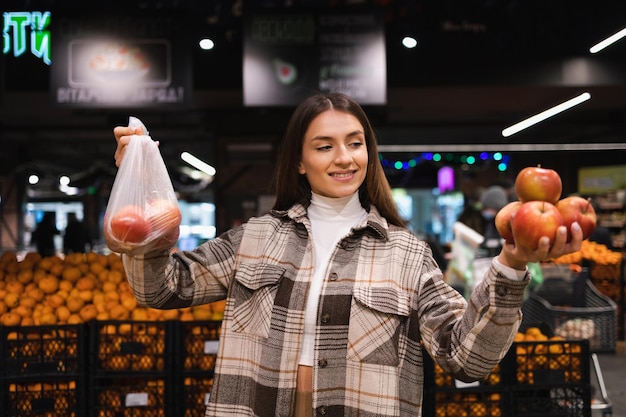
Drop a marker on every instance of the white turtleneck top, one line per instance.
(331, 219)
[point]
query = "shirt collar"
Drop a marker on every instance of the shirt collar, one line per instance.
(374, 221)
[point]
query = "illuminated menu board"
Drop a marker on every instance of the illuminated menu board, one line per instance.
(289, 56)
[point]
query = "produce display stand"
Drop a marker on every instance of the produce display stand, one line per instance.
(108, 368)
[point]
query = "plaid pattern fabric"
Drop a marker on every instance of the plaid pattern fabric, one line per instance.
(383, 301)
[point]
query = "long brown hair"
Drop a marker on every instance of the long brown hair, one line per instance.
(291, 187)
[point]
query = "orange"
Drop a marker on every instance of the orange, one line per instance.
(139, 314)
(86, 295)
(23, 311)
(71, 274)
(47, 319)
(28, 301)
(170, 314)
(74, 319)
(10, 319)
(36, 293)
(119, 312)
(3, 307)
(115, 276)
(88, 312)
(27, 321)
(202, 312)
(63, 313)
(57, 269)
(49, 284)
(66, 286)
(55, 300)
(12, 300)
(109, 286)
(75, 303)
(25, 276)
(88, 282)
(129, 301)
(96, 268)
(14, 286)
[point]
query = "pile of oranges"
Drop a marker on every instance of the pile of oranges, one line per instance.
(77, 288)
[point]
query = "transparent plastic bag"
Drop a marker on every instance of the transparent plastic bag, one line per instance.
(142, 214)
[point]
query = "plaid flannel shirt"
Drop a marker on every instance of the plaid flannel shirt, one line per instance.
(383, 301)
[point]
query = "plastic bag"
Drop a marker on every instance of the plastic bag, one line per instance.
(142, 214)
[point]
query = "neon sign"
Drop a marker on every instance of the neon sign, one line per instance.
(14, 34)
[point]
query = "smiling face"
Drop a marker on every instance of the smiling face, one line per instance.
(334, 154)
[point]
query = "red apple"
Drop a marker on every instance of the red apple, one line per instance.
(534, 219)
(504, 218)
(130, 225)
(165, 218)
(163, 215)
(536, 183)
(578, 209)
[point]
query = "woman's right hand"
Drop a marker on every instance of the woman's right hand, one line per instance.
(123, 134)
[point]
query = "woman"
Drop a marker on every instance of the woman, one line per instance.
(330, 300)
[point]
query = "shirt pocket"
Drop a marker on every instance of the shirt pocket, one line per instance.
(253, 294)
(376, 316)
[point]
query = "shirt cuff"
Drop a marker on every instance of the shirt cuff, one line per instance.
(509, 272)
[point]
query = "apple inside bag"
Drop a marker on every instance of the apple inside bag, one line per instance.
(142, 213)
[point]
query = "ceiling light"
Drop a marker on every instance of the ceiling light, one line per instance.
(545, 114)
(608, 41)
(206, 44)
(409, 42)
(197, 163)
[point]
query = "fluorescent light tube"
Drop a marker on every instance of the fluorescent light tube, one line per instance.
(197, 163)
(545, 114)
(608, 41)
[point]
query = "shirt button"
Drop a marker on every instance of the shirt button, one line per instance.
(322, 363)
(325, 318)
(322, 411)
(333, 276)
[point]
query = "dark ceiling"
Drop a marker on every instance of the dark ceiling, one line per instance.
(480, 66)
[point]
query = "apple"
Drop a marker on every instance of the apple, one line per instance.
(504, 219)
(164, 217)
(578, 209)
(130, 225)
(534, 219)
(536, 183)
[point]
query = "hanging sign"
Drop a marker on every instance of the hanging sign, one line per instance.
(120, 62)
(289, 56)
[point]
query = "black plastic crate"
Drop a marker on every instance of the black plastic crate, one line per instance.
(550, 362)
(197, 345)
(40, 351)
(465, 402)
(129, 397)
(596, 321)
(555, 401)
(192, 395)
(131, 347)
(61, 397)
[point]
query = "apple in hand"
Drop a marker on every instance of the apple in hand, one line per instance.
(130, 225)
(578, 209)
(536, 183)
(534, 219)
(504, 220)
